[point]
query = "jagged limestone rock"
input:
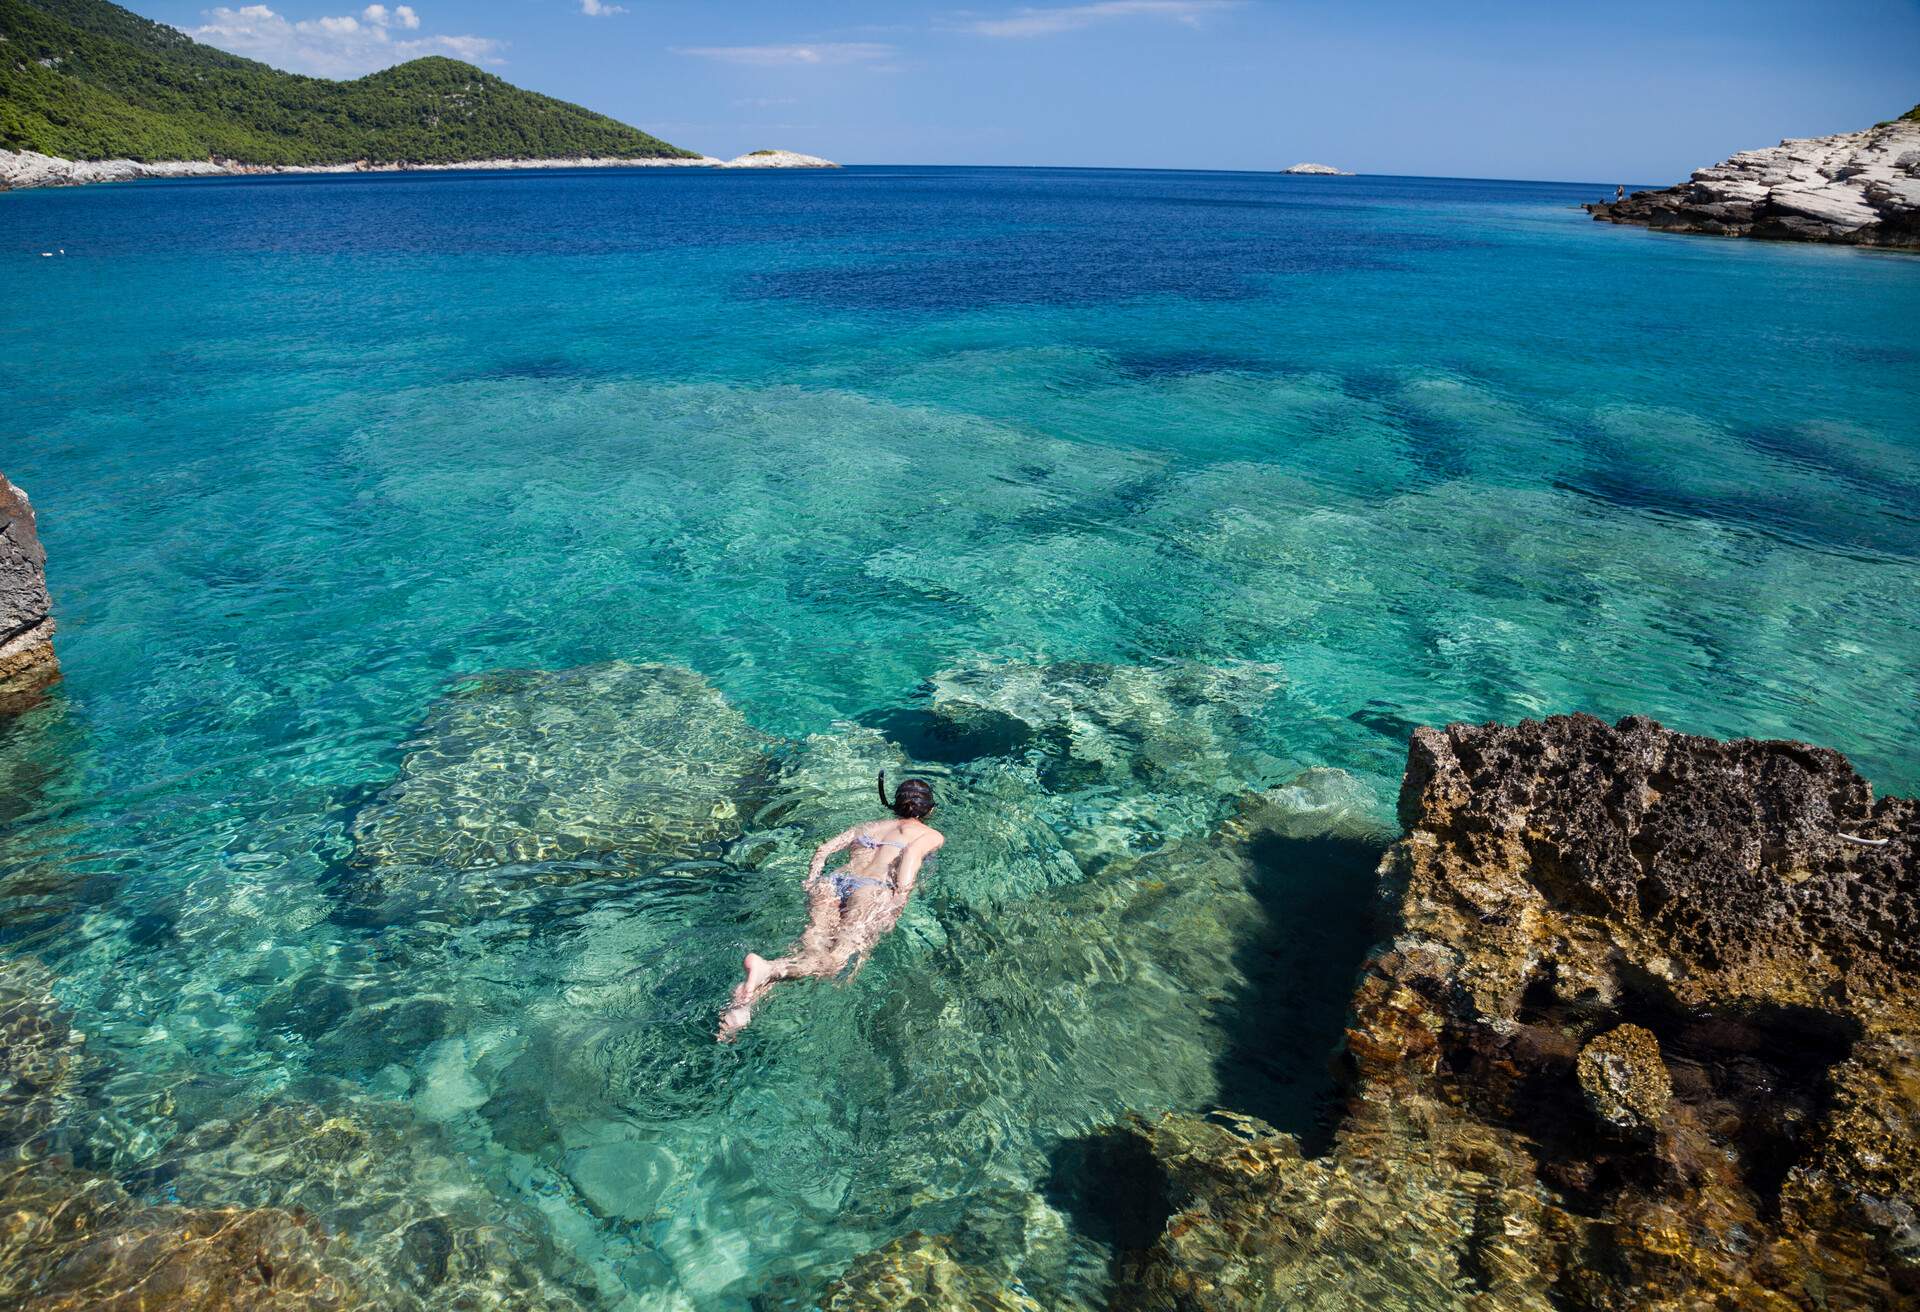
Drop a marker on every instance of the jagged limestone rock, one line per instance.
(1856, 188)
(1740, 919)
(27, 662)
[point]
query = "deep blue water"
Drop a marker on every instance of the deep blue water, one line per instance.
(1106, 499)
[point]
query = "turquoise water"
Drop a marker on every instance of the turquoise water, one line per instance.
(477, 593)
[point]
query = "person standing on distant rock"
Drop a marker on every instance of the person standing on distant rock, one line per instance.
(853, 908)
(1619, 193)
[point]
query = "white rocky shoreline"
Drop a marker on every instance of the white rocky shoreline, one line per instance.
(1852, 188)
(24, 168)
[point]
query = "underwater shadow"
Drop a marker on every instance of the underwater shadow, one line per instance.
(1286, 1021)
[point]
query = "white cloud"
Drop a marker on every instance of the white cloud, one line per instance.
(822, 52)
(380, 16)
(598, 9)
(343, 46)
(1071, 18)
(764, 102)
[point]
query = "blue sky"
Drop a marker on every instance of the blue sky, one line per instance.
(1621, 91)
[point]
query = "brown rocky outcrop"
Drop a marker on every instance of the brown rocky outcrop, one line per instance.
(1646, 1034)
(26, 613)
(920, 1273)
(1854, 188)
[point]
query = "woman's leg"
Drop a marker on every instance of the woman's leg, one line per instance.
(868, 916)
(812, 955)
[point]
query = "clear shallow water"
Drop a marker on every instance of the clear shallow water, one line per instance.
(1106, 499)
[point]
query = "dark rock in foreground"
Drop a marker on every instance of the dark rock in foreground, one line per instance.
(1856, 188)
(1646, 1034)
(26, 613)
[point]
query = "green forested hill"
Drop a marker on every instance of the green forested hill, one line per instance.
(86, 79)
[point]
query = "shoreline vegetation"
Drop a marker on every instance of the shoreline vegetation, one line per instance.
(92, 92)
(1852, 188)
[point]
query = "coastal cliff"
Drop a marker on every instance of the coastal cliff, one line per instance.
(27, 662)
(1855, 188)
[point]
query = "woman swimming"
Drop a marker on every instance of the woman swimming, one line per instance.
(851, 909)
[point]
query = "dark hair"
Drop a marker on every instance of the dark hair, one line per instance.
(912, 800)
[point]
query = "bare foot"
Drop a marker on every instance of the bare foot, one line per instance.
(739, 1013)
(759, 972)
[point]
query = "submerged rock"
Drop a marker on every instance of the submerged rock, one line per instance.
(1625, 1080)
(27, 662)
(603, 761)
(288, 1205)
(41, 1058)
(79, 1243)
(1139, 753)
(919, 1273)
(1858, 188)
(1647, 1034)
(73, 1238)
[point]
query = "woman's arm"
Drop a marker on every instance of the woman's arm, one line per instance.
(836, 844)
(910, 862)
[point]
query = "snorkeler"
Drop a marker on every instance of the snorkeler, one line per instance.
(849, 910)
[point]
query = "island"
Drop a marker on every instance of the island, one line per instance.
(93, 92)
(1319, 170)
(1853, 188)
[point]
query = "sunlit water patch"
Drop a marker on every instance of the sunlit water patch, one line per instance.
(479, 594)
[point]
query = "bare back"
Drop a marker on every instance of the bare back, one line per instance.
(880, 850)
